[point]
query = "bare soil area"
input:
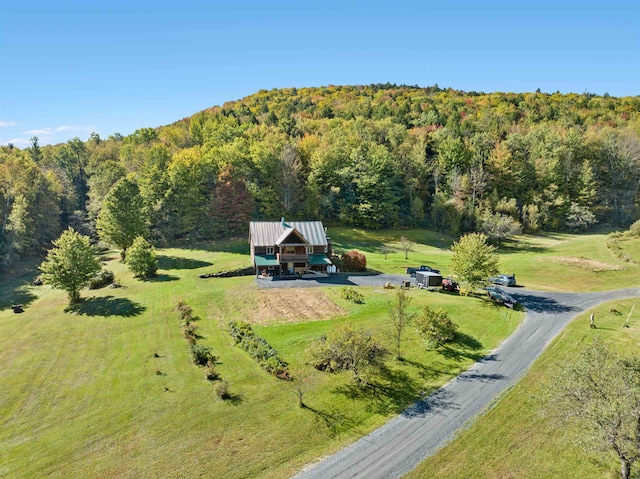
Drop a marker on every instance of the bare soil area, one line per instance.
(587, 264)
(291, 306)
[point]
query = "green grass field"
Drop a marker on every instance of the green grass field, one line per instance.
(109, 389)
(514, 440)
(549, 262)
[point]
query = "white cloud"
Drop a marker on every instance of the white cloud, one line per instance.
(19, 142)
(88, 129)
(44, 131)
(7, 124)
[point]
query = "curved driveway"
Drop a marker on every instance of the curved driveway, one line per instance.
(400, 445)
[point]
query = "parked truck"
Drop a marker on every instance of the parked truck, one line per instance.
(428, 280)
(413, 271)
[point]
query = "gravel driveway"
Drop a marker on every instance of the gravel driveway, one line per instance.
(400, 445)
(337, 280)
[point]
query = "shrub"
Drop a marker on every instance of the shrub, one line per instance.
(435, 327)
(103, 278)
(344, 348)
(351, 294)
(210, 371)
(634, 229)
(259, 349)
(222, 389)
(354, 261)
(189, 332)
(201, 355)
(141, 258)
(184, 310)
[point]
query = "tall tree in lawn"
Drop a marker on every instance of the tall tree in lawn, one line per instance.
(232, 205)
(121, 218)
(141, 258)
(70, 264)
(400, 317)
(473, 261)
(600, 393)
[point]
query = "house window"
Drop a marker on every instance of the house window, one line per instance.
(309, 249)
(269, 249)
(289, 250)
(326, 248)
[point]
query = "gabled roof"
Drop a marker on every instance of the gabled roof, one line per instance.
(267, 233)
(291, 236)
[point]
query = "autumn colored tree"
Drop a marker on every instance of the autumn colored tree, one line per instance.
(232, 205)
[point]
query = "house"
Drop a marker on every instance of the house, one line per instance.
(283, 248)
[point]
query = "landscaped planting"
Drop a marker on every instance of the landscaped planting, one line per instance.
(258, 349)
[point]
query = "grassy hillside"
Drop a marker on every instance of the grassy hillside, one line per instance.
(513, 440)
(549, 262)
(109, 389)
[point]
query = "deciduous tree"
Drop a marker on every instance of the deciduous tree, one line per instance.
(121, 218)
(141, 258)
(344, 348)
(400, 317)
(473, 260)
(70, 264)
(600, 392)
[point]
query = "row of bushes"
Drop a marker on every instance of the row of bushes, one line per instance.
(259, 349)
(202, 356)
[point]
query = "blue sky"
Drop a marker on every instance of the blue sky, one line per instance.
(68, 68)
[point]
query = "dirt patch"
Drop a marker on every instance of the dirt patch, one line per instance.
(587, 264)
(292, 306)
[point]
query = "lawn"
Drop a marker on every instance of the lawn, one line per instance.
(108, 389)
(514, 440)
(546, 262)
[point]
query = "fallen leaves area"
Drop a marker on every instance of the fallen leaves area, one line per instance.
(587, 264)
(292, 306)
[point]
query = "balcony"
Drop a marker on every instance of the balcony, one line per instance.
(295, 257)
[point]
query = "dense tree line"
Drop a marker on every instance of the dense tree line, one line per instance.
(373, 156)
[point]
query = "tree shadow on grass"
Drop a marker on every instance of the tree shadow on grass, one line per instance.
(17, 295)
(176, 262)
(424, 371)
(462, 347)
(332, 421)
(388, 391)
(106, 306)
(233, 399)
(161, 278)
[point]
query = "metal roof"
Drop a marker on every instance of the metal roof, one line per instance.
(319, 259)
(266, 260)
(288, 232)
(267, 233)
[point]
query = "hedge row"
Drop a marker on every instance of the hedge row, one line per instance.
(259, 349)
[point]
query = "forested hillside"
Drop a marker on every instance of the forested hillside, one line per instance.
(374, 156)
